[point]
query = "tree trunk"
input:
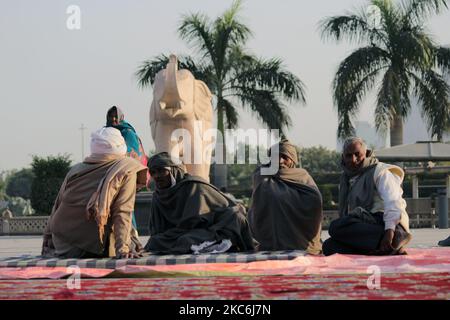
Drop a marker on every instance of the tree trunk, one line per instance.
(396, 131)
(220, 170)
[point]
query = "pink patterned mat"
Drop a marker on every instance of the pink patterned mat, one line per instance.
(434, 260)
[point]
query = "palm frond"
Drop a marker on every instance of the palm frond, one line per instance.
(404, 85)
(270, 75)
(418, 10)
(199, 70)
(229, 29)
(415, 48)
(391, 20)
(265, 105)
(358, 66)
(237, 58)
(348, 103)
(354, 28)
(355, 77)
(442, 55)
(196, 30)
(383, 112)
(230, 113)
(434, 96)
(146, 73)
(345, 127)
(228, 33)
(393, 98)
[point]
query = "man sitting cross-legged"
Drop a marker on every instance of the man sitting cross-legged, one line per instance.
(286, 210)
(373, 218)
(91, 217)
(189, 215)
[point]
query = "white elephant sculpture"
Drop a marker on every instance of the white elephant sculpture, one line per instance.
(182, 102)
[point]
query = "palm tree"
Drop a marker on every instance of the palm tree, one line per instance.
(399, 59)
(235, 77)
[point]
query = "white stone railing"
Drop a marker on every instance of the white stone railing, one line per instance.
(23, 225)
(420, 216)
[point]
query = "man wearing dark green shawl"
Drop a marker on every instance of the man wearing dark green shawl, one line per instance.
(286, 211)
(373, 218)
(189, 215)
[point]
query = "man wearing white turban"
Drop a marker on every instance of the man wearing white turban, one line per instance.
(91, 216)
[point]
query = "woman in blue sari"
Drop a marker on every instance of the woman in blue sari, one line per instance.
(116, 119)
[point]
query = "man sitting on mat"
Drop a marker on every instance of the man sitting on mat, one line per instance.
(286, 211)
(189, 215)
(91, 217)
(373, 218)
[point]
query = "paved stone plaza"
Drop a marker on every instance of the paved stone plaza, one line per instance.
(20, 245)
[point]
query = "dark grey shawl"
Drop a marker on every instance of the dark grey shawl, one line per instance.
(194, 211)
(286, 211)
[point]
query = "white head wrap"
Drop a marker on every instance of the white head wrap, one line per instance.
(108, 140)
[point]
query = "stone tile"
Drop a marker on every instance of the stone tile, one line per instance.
(31, 245)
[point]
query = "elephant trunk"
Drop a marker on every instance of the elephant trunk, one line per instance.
(171, 97)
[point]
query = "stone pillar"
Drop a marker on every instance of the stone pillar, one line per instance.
(5, 227)
(443, 209)
(448, 186)
(6, 216)
(415, 187)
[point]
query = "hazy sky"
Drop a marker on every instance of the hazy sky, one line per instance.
(53, 79)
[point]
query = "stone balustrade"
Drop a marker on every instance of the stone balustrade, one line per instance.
(421, 215)
(23, 225)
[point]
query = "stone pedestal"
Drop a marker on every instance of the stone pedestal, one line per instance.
(415, 187)
(443, 209)
(448, 186)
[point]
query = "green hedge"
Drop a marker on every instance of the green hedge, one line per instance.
(49, 174)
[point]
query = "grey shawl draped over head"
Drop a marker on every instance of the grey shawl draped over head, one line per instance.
(361, 193)
(289, 150)
(194, 211)
(285, 147)
(286, 211)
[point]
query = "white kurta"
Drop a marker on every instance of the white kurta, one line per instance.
(388, 196)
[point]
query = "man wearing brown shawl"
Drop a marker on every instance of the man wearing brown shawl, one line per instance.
(286, 211)
(91, 217)
(373, 218)
(189, 215)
